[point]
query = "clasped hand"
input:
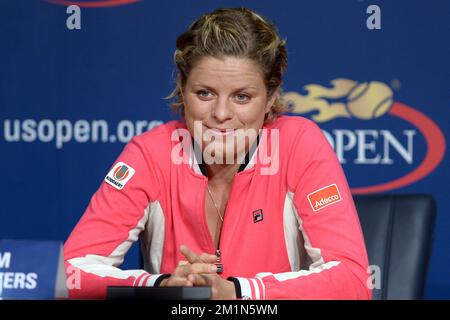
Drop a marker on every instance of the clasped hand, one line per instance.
(200, 270)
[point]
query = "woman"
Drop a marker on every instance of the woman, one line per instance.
(235, 195)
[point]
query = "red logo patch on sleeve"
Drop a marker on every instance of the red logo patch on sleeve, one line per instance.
(324, 197)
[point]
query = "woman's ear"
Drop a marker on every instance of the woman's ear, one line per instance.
(271, 101)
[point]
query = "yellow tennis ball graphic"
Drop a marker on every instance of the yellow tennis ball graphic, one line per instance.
(369, 100)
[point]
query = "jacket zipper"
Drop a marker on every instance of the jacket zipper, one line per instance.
(218, 252)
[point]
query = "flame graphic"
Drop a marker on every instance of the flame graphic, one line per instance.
(366, 101)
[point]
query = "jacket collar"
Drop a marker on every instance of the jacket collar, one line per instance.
(199, 165)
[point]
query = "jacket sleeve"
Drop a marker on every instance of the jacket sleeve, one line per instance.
(115, 216)
(329, 224)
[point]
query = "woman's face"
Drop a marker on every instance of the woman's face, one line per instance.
(221, 96)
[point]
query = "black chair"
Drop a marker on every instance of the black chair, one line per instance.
(398, 231)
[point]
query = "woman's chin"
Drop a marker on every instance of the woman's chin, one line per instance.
(223, 153)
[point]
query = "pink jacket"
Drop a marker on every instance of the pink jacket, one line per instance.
(291, 234)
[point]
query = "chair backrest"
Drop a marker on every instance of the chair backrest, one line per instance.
(398, 231)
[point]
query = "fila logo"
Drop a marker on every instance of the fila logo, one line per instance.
(324, 197)
(257, 215)
(119, 175)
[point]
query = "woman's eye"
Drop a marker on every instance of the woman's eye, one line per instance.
(242, 97)
(203, 94)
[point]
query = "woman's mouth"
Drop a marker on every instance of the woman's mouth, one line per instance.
(220, 131)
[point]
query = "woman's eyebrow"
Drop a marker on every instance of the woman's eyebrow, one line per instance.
(212, 89)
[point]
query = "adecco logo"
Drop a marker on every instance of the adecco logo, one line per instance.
(324, 197)
(93, 3)
(369, 101)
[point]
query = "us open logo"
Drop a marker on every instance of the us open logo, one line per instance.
(119, 175)
(371, 140)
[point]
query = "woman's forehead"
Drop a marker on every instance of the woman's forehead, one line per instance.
(240, 72)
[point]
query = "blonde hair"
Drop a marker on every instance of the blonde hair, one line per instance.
(237, 32)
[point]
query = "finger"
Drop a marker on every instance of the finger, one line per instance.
(190, 255)
(193, 257)
(176, 281)
(207, 258)
(199, 280)
(182, 263)
(195, 268)
(198, 268)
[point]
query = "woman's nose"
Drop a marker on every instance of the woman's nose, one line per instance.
(222, 110)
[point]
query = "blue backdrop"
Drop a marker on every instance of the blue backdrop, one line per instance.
(70, 99)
